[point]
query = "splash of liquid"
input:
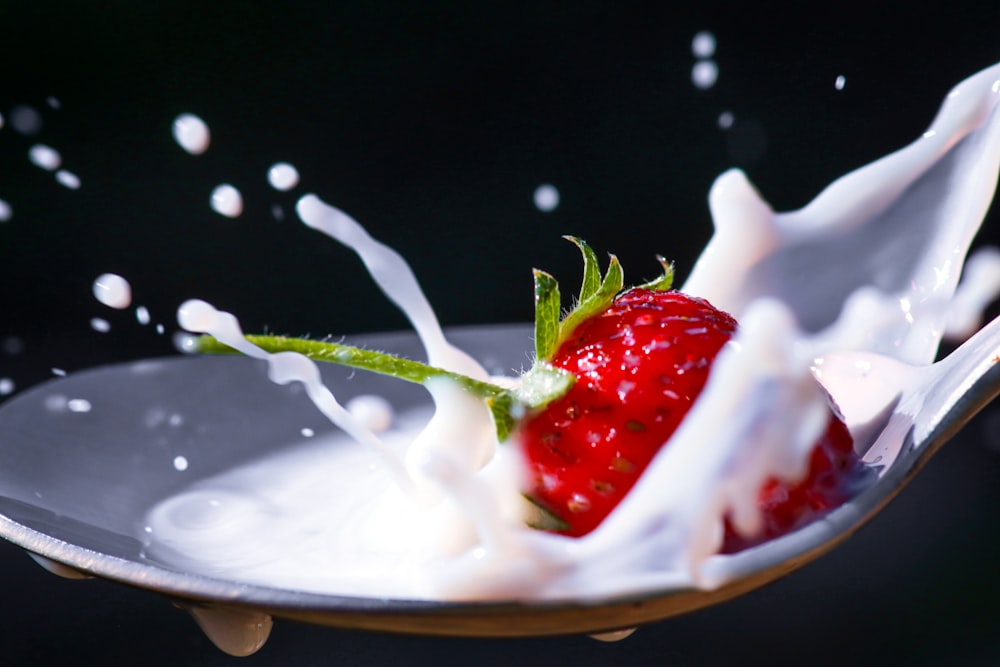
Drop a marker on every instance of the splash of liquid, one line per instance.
(459, 535)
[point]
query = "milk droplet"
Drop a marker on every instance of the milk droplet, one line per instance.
(704, 74)
(278, 212)
(236, 632)
(614, 635)
(703, 45)
(100, 325)
(59, 372)
(12, 345)
(546, 197)
(68, 179)
(840, 82)
(45, 157)
(59, 569)
(25, 120)
(307, 432)
(6, 386)
(142, 315)
(726, 120)
(53, 102)
(113, 290)
(373, 411)
(185, 342)
(227, 201)
(283, 176)
(6, 212)
(78, 405)
(180, 463)
(191, 133)
(196, 315)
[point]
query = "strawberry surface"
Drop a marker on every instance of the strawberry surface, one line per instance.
(638, 367)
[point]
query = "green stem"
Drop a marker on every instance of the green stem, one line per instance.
(500, 400)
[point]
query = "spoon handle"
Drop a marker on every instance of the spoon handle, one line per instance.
(965, 382)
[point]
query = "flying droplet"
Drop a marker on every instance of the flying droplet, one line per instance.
(113, 290)
(45, 157)
(12, 345)
(6, 212)
(68, 179)
(373, 411)
(283, 176)
(703, 44)
(704, 74)
(840, 82)
(25, 120)
(546, 197)
(191, 133)
(227, 201)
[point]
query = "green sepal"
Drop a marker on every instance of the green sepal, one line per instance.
(547, 310)
(539, 517)
(596, 303)
(506, 412)
(542, 384)
(591, 268)
(666, 280)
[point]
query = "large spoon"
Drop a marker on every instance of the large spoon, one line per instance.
(77, 477)
(83, 458)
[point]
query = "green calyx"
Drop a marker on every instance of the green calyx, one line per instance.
(540, 385)
(596, 295)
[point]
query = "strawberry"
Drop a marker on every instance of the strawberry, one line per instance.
(637, 366)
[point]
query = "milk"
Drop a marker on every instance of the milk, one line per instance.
(429, 507)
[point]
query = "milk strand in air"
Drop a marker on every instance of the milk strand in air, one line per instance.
(429, 507)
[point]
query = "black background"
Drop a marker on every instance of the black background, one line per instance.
(432, 123)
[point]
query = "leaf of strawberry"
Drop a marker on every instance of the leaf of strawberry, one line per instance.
(542, 384)
(665, 281)
(547, 310)
(597, 302)
(591, 268)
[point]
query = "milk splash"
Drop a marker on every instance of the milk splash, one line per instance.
(436, 521)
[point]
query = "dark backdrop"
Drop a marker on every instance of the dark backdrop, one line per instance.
(432, 123)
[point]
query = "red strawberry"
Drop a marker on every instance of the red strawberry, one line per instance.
(638, 366)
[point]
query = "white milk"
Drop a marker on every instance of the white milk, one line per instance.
(191, 133)
(428, 508)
